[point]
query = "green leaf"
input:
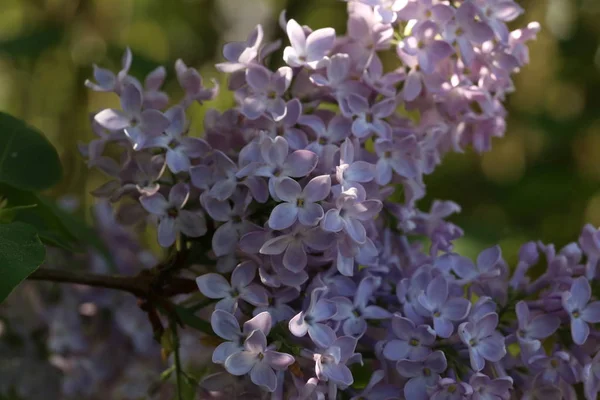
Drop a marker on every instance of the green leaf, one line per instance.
(189, 319)
(33, 43)
(55, 226)
(27, 159)
(21, 253)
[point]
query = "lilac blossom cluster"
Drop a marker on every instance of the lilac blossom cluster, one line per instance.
(307, 191)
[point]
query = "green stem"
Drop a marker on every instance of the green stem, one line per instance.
(177, 359)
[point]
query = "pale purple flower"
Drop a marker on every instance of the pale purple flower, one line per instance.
(330, 364)
(589, 240)
(483, 341)
(107, 81)
(294, 246)
(349, 214)
(412, 343)
(179, 149)
(532, 329)
(233, 214)
(279, 164)
(442, 309)
(191, 82)
(337, 73)
(278, 307)
(370, 119)
(351, 173)
(402, 157)
(576, 303)
(241, 54)
(153, 96)
(488, 265)
(553, 368)
(215, 286)
(312, 320)
(354, 314)
(591, 377)
(172, 217)
(449, 389)
(258, 360)
(485, 388)
(422, 374)
(138, 124)
(266, 91)
(424, 45)
(311, 49)
(227, 327)
(299, 204)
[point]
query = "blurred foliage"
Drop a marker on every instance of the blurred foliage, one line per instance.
(542, 181)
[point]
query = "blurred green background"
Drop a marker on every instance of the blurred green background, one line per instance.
(542, 181)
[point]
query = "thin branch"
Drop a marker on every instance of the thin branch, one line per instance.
(143, 286)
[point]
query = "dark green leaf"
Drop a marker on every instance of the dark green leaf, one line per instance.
(33, 43)
(21, 253)
(27, 159)
(189, 319)
(55, 226)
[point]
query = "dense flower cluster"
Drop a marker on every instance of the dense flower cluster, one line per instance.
(307, 191)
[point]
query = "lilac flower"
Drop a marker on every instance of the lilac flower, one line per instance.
(233, 215)
(191, 82)
(311, 320)
(337, 72)
(279, 164)
(308, 50)
(107, 81)
(591, 377)
(299, 204)
(412, 343)
(172, 217)
(402, 156)
(424, 45)
(153, 96)
(278, 307)
(331, 362)
(555, 368)
(449, 389)
(266, 89)
(349, 214)
(241, 54)
(258, 360)
(485, 388)
(351, 173)
(575, 302)
(442, 309)
(483, 341)
(179, 149)
(370, 119)
(423, 374)
(590, 244)
(355, 314)
(487, 265)
(532, 329)
(138, 124)
(294, 246)
(215, 286)
(226, 326)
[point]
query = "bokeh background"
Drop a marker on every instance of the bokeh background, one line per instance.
(542, 181)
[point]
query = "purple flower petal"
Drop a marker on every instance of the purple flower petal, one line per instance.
(113, 120)
(591, 313)
(283, 216)
(295, 258)
(225, 325)
(167, 231)
(213, 286)
(277, 360)
(317, 189)
(321, 334)
(240, 363)
(288, 189)
(300, 163)
(263, 375)
(310, 214)
(155, 204)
